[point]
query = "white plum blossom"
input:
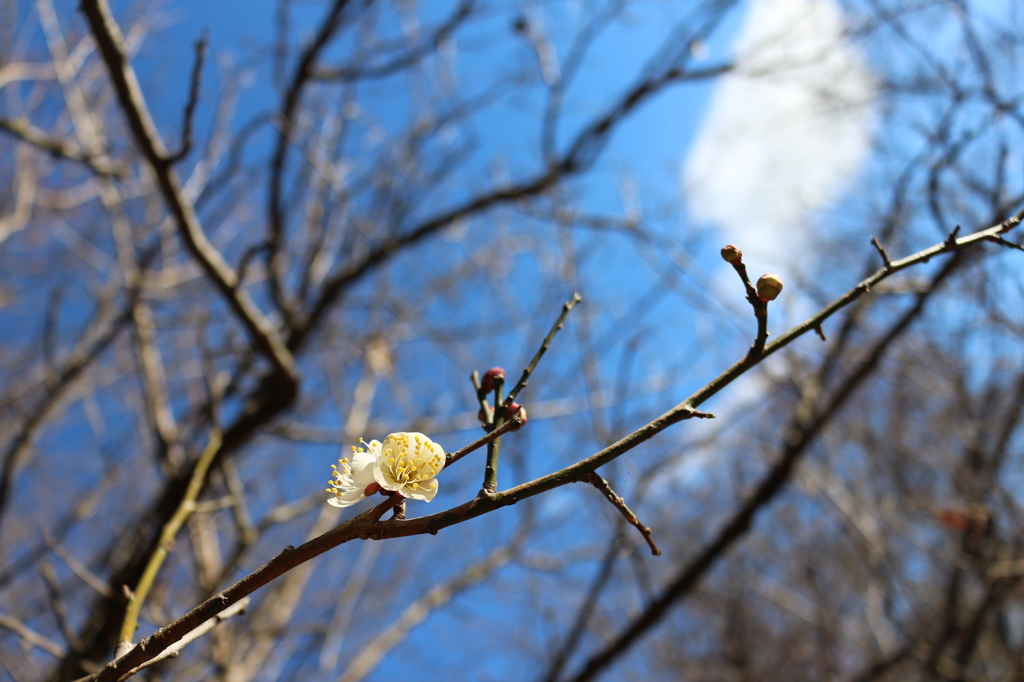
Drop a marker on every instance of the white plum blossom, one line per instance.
(349, 483)
(407, 464)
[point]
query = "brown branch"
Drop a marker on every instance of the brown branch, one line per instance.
(235, 609)
(26, 132)
(807, 424)
(362, 526)
(369, 526)
(605, 489)
(109, 41)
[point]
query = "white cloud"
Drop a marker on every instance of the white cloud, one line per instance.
(784, 133)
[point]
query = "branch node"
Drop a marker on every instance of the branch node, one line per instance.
(950, 242)
(697, 414)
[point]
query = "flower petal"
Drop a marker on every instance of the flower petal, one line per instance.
(346, 498)
(382, 475)
(425, 492)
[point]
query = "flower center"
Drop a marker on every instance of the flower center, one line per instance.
(409, 462)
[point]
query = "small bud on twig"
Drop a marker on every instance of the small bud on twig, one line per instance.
(514, 410)
(769, 287)
(487, 382)
(731, 254)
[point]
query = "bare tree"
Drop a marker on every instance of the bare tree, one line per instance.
(203, 302)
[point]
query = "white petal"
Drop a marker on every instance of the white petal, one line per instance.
(346, 498)
(362, 469)
(382, 475)
(425, 492)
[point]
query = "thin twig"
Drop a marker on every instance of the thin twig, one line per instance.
(58, 606)
(193, 100)
(26, 132)
(293, 96)
(375, 70)
(620, 504)
(881, 251)
(32, 637)
(995, 239)
(512, 424)
(528, 370)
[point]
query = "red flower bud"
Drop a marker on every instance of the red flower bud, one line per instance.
(515, 409)
(371, 489)
(487, 382)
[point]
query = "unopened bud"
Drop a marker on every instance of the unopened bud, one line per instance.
(517, 410)
(482, 416)
(487, 382)
(731, 254)
(769, 287)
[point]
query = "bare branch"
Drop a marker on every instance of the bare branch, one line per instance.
(620, 504)
(190, 105)
(167, 537)
(528, 370)
(31, 636)
(369, 526)
(26, 132)
(109, 40)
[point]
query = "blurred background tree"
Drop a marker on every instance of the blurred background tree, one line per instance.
(260, 231)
